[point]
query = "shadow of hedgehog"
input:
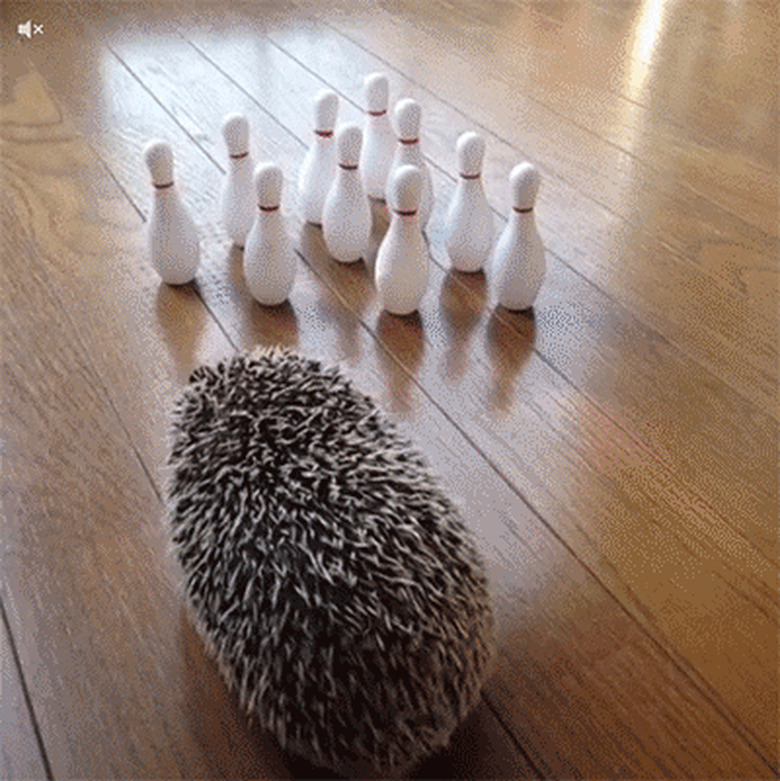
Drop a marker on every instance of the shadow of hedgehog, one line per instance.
(338, 589)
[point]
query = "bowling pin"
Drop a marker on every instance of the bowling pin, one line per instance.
(518, 263)
(319, 165)
(468, 226)
(172, 237)
(237, 199)
(270, 264)
(346, 216)
(376, 155)
(407, 115)
(401, 272)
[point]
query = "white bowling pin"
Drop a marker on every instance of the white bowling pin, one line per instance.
(174, 248)
(346, 216)
(518, 263)
(237, 199)
(401, 272)
(376, 156)
(469, 224)
(270, 264)
(407, 114)
(319, 165)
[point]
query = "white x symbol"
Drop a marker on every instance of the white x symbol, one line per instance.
(37, 29)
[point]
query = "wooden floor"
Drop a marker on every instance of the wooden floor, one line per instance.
(615, 450)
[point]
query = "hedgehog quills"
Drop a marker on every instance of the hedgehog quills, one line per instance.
(337, 587)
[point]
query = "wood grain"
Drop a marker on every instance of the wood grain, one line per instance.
(636, 596)
(169, 72)
(89, 589)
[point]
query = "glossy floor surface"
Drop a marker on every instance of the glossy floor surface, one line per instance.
(615, 449)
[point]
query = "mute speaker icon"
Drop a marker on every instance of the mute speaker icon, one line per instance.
(26, 28)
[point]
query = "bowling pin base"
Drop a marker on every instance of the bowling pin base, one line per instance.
(177, 283)
(519, 307)
(405, 313)
(272, 304)
(348, 261)
(401, 311)
(174, 278)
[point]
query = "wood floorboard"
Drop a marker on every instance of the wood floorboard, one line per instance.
(165, 74)
(119, 688)
(612, 133)
(640, 644)
(589, 318)
(333, 56)
(432, 30)
(614, 74)
(750, 69)
(724, 174)
(718, 272)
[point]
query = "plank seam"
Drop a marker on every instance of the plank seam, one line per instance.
(26, 692)
(512, 736)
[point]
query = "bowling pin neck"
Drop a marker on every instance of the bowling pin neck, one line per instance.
(324, 143)
(166, 204)
(468, 186)
(470, 177)
(165, 195)
(521, 221)
(406, 221)
(348, 184)
(409, 154)
(267, 212)
(240, 162)
(379, 113)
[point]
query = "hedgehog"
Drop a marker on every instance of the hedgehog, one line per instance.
(337, 587)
